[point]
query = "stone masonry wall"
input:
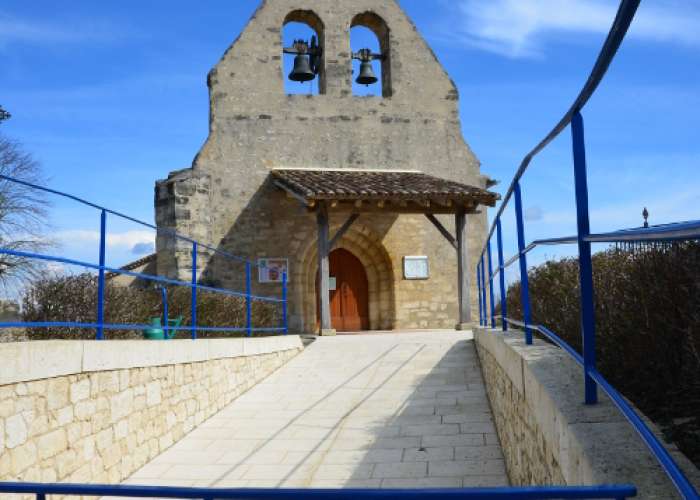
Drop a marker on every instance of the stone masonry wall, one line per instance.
(549, 437)
(530, 458)
(101, 425)
(226, 198)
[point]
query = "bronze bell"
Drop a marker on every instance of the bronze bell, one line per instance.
(366, 76)
(302, 69)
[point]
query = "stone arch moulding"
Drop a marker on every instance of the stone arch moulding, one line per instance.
(380, 28)
(313, 21)
(368, 248)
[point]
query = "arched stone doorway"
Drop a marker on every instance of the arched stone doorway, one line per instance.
(349, 293)
(367, 247)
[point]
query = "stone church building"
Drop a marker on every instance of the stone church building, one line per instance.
(376, 204)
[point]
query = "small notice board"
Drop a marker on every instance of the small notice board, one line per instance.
(415, 267)
(270, 270)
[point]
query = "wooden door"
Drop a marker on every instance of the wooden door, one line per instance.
(350, 299)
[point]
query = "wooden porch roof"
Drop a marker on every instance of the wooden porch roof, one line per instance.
(381, 190)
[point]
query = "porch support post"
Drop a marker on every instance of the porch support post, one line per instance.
(465, 312)
(324, 269)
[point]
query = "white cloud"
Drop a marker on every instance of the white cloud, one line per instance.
(519, 28)
(15, 30)
(143, 248)
(55, 268)
(126, 240)
(533, 213)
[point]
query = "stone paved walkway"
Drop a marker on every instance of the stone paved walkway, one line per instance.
(389, 410)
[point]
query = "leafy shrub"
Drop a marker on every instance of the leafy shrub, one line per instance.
(647, 304)
(74, 298)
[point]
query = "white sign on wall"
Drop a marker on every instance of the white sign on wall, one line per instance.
(270, 270)
(415, 267)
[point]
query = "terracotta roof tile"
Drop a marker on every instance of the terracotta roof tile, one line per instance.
(377, 185)
(133, 265)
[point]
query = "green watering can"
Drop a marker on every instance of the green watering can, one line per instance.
(156, 332)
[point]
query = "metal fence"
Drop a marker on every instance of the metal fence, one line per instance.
(584, 238)
(581, 492)
(42, 490)
(194, 284)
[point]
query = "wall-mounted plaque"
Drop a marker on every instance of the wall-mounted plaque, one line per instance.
(415, 267)
(270, 270)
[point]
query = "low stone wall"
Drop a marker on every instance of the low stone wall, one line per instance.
(86, 411)
(549, 437)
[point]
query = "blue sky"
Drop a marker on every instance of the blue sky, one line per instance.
(111, 96)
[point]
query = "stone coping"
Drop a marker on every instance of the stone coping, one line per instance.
(25, 361)
(594, 444)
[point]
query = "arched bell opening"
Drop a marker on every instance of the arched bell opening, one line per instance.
(370, 46)
(303, 62)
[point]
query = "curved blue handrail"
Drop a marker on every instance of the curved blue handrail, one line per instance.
(648, 437)
(194, 284)
(584, 238)
(623, 20)
(161, 230)
(148, 277)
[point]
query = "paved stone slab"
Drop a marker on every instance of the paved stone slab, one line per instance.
(430, 454)
(401, 410)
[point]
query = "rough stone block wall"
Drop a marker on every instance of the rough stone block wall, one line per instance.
(101, 426)
(227, 200)
(530, 458)
(549, 437)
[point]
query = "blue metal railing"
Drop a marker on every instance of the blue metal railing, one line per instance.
(100, 326)
(583, 238)
(581, 492)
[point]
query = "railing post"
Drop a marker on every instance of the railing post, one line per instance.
(501, 276)
(524, 283)
(166, 324)
(584, 256)
(483, 290)
(491, 301)
(101, 277)
(285, 325)
(478, 286)
(193, 300)
(248, 301)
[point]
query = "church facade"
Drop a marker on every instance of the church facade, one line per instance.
(248, 190)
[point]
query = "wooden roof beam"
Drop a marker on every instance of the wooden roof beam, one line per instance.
(394, 205)
(292, 194)
(343, 229)
(445, 202)
(443, 230)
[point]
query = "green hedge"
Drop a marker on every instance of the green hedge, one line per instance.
(74, 298)
(647, 304)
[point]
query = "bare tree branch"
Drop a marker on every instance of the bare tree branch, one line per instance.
(23, 215)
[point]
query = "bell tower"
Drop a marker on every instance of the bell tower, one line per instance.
(255, 126)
